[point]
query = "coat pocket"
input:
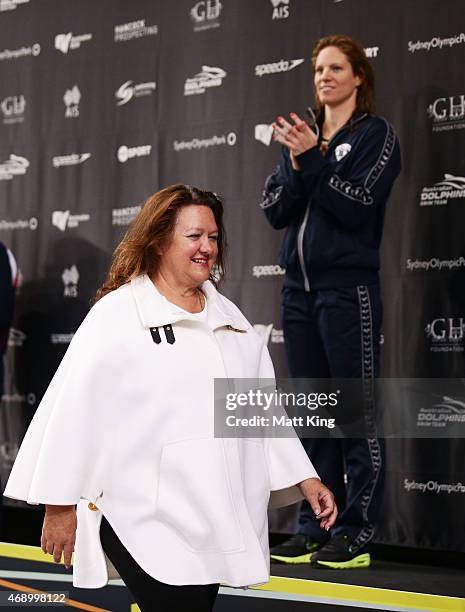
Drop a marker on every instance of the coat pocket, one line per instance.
(195, 498)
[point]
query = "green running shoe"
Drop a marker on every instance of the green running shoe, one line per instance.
(297, 549)
(337, 554)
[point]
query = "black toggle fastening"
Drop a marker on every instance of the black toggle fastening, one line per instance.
(169, 334)
(155, 335)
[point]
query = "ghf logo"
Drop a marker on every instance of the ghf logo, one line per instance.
(446, 334)
(70, 280)
(205, 14)
(13, 108)
(280, 9)
(447, 113)
(71, 99)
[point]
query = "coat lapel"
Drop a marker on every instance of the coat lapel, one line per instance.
(155, 310)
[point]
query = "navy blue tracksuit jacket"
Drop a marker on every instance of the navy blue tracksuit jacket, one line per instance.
(333, 212)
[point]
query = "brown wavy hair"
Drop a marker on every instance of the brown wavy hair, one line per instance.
(361, 67)
(140, 250)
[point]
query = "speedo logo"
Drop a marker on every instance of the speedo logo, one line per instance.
(275, 67)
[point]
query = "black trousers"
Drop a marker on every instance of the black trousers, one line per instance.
(150, 594)
(334, 333)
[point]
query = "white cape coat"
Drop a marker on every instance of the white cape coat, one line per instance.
(128, 425)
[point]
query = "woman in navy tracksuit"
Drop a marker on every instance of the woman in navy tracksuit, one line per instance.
(329, 192)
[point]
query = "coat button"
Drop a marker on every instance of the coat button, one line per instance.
(92, 507)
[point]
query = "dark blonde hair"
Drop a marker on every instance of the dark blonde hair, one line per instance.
(140, 250)
(361, 67)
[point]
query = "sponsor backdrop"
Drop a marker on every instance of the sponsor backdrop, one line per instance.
(102, 103)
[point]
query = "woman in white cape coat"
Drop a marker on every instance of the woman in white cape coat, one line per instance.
(125, 429)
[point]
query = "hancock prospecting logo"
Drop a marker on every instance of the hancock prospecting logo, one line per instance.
(127, 91)
(74, 159)
(275, 67)
(268, 332)
(264, 133)
(134, 29)
(280, 9)
(13, 108)
(69, 42)
(447, 410)
(205, 14)
(16, 338)
(124, 152)
(11, 5)
(12, 54)
(71, 99)
(63, 219)
(447, 113)
(16, 165)
(70, 278)
(446, 334)
(208, 77)
(125, 216)
(451, 188)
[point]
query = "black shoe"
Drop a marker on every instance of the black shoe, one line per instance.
(337, 554)
(297, 549)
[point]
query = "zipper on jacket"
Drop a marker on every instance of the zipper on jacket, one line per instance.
(300, 235)
(300, 248)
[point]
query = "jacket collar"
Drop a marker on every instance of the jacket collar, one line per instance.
(155, 310)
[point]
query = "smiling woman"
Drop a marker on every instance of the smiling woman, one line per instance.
(330, 192)
(125, 431)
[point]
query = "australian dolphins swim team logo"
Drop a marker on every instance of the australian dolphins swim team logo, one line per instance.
(209, 76)
(450, 188)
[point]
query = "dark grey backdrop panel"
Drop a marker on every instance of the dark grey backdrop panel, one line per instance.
(103, 103)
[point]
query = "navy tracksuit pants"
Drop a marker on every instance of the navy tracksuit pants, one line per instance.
(334, 333)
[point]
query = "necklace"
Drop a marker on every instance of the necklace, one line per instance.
(324, 145)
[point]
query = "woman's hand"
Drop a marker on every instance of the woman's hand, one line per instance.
(298, 137)
(59, 533)
(321, 500)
